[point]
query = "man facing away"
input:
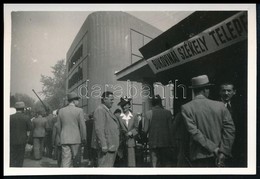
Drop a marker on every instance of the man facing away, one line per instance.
(210, 126)
(20, 124)
(105, 137)
(157, 124)
(72, 131)
(39, 133)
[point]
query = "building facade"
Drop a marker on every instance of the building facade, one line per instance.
(107, 42)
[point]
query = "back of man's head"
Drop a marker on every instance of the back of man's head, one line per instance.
(157, 100)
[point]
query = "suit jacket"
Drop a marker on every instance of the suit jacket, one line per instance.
(39, 126)
(210, 125)
(106, 129)
(71, 125)
(131, 127)
(158, 126)
(19, 125)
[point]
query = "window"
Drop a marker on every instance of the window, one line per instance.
(138, 40)
(75, 58)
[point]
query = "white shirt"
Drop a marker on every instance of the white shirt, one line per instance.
(126, 117)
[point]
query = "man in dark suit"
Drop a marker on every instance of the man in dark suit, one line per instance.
(238, 112)
(19, 125)
(105, 137)
(210, 126)
(157, 124)
(72, 131)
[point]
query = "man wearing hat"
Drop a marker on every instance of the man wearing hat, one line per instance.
(20, 123)
(129, 127)
(210, 126)
(105, 136)
(72, 131)
(158, 127)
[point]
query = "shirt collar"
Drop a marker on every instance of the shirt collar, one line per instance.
(71, 104)
(200, 96)
(129, 115)
(228, 102)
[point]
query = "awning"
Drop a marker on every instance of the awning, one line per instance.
(185, 29)
(222, 35)
(223, 29)
(136, 72)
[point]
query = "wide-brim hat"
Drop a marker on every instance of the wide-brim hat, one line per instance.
(19, 105)
(72, 96)
(200, 81)
(124, 100)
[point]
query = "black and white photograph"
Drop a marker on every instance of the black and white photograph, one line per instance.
(129, 89)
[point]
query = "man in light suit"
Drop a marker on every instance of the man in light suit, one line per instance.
(72, 131)
(105, 137)
(210, 126)
(39, 133)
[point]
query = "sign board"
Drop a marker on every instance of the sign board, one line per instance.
(228, 32)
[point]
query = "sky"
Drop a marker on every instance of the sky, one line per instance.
(40, 38)
(40, 35)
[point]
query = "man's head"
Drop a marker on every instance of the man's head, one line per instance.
(227, 91)
(107, 99)
(73, 98)
(157, 100)
(19, 106)
(201, 85)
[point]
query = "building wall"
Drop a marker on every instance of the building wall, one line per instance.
(107, 42)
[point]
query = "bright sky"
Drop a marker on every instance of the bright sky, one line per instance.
(39, 39)
(40, 35)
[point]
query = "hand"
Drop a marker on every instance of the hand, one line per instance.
(104, 149)
(220, 161)
(130, 134)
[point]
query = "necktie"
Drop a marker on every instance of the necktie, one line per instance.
(229, 108)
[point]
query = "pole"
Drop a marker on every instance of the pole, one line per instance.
(45, 107)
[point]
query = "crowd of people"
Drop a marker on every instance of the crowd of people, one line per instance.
(203, 133)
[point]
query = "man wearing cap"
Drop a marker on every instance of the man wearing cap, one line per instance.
(72, 131)
(210, 126)
(19, 125)
(105, 137)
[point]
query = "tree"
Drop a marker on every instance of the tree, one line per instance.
(28, 101)
(54, 87)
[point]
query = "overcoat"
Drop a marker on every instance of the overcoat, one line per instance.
(210, 125)
(106, 129)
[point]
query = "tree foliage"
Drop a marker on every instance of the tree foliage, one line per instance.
(54, 87)
(28, 101)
